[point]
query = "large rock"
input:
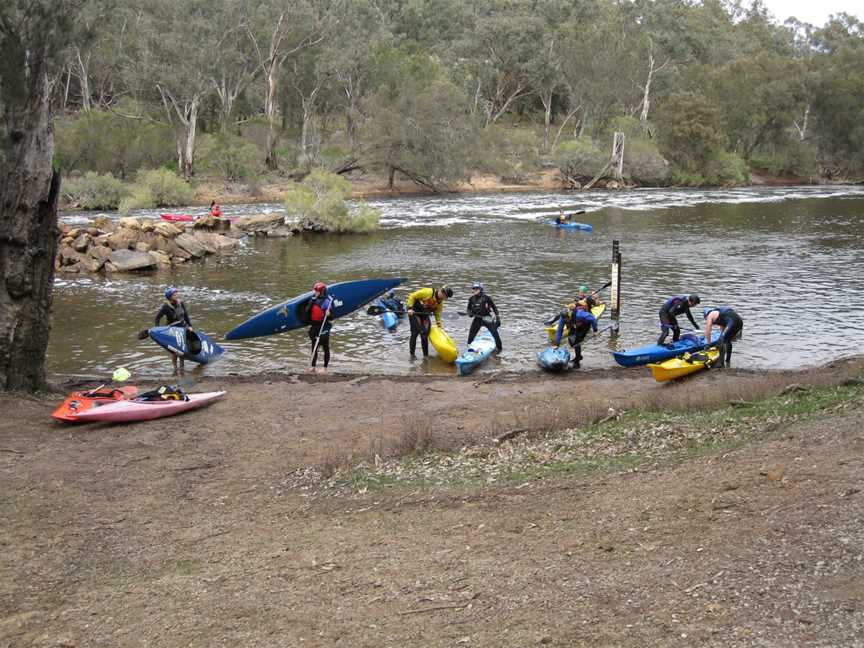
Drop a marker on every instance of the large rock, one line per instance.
(147, 225)
(141, 246)
(260, 224)
(192, 245)
(122, 239)
(82, 242)
(167, 230)
(99, 252)
(161, 258)
(130, 223)
(127, 260)
(216, 242)
(103, 223)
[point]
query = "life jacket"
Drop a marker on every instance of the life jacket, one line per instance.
(180, 315)
(215, 211)
(673, 305)
(162, 393)
(319, 308)
(479, 306)
(726, 315)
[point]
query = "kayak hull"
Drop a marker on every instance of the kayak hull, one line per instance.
(128, 411)
(83, 401)
(554, 359)
(388, 318)
(476, 354)
(683, 365)
(443, 344)
(194, 346)
(289, 315)
(583, 227)
(654, 353)
(178, 218)
(552, 331)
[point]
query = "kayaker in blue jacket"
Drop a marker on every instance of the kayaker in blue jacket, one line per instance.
(731, 324)
(320, 309)
(175, 314)
(579, 318)
(672, 307)
(390, 302)
(480, 308)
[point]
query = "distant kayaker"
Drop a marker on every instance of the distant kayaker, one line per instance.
(175, 313)
(731, 324)
(672, 307)
(580, 320)
(390, 302)
(421, 304)
(320, 311)
(561, 218)
(215, 209)
(480, 308)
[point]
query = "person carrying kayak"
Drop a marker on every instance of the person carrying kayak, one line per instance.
(672, 307)
(731, 324)
(319, 310)
(481, 307)
(175, 313)
(579, 319)
(215, 209)
(421, 304)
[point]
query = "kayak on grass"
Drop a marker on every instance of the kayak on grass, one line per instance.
(191, 345)
(126, 411)
(554, 359)
(79, 402)
(347, 296)
(585, 227)
(658, 353)
(443, 344)
(683, 365)
(477, 352)
(552, 331)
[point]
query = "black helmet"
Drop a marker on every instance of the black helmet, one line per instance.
(694, 299)
(447, 290)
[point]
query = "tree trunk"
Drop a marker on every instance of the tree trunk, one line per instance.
(546, 98)
(270, 105)
(190, 124)
(84, 81)
(29, 188)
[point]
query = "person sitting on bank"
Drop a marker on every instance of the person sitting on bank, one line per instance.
(215, 209)
(731, 324)
(320, 310)
(175, 313)
(579, 319)
(421, 304)
(672, 307)
(480, 308)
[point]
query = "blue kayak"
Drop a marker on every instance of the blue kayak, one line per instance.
(388, 318)
(348, 296)
(657, 353)
(552, 359)
(571, 225)
(191, 345)
(480, 349)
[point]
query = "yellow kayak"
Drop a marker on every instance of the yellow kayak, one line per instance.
(551, 331)
(683, 365)
(443, 344)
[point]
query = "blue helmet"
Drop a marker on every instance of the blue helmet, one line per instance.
(477, 284)
(169, 291)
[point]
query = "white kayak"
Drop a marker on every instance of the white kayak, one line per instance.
(481, 348)
(141, 410)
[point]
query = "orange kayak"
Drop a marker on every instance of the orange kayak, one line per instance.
(82, 401)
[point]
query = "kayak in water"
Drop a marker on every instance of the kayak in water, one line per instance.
(476, 354)
(443, 344)
(571, 225)
(659, 352)
(552, 331)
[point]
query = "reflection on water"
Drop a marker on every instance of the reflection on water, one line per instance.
(788, 259)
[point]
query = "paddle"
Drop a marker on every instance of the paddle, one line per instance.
(318, 339)
(572, 214)
(119, 375)
(380, 310)
(554, 318)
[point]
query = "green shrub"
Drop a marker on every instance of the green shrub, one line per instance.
(158, 188)
(795, 158)
(724, 168)
(506, 151)
(580, 158)
(230, 157)
(643, 162)
(95, 191)
(318, 203)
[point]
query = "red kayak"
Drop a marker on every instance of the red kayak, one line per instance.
(82, 401)
(144, 410)
(178, 218)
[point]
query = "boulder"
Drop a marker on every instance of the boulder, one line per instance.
(128, 260)
(82, 242)
(147, 225)
(130, 223)
(99, 252)
(141, 246)
(103, 223)
(261, 223)
(93, 231)
(73, 233)
(191, 245)
(283, 231)
(122, 239)
(91, 264)
(219, 243)
(167, 230)
(161, 258)
(110, 267)
(102, 239)
(75, 267)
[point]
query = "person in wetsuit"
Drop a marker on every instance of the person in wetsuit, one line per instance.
(580, 320)
(731, 324)
(672, 307)
(320, 310)
(480, 308)
(591, 300)
(175, 313)
(421, 304)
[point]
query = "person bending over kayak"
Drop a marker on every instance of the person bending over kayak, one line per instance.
(672, 307)
(481, 307)
(420, 304)
(319, 310)
(215, 209)
(390, 302)
(580, 320)
(731, 324)
(175, 313)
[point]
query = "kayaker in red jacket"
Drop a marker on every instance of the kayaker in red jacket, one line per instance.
(320, 311)
(215, 209)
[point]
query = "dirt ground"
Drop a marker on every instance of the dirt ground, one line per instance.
(188, 532)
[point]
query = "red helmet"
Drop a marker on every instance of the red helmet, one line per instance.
(320, 287)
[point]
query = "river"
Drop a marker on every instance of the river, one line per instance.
(788, 259)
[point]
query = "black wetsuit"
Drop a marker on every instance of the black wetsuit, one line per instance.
(319, 329)
(674, 306)
(481, 307)
(732, 325)
(176, 314)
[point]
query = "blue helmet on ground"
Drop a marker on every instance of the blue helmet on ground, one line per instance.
(169, 292)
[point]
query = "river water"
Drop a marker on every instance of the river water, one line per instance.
(788, 259)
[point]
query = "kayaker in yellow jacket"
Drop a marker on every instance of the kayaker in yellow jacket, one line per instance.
(420, 305)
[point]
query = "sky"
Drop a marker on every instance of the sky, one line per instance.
(812, 12)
